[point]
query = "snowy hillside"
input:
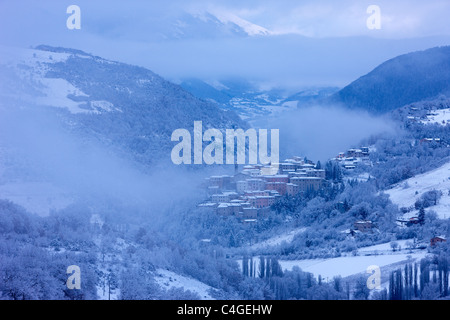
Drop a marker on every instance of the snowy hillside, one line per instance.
(277, 240)
(406, 193)
(66, 116)
(404, 79)
(126, 106)
(441, 117)
(168, 279)
(206, 24)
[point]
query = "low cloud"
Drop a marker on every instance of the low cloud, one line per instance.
(321, 132)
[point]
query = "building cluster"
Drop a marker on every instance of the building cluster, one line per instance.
(428, 115)
(408, 222)
(352, 157)
(360, 226)
(250, 193)
(430, 140)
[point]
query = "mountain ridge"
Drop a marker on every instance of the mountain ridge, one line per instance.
(404, 79)
(123, 105)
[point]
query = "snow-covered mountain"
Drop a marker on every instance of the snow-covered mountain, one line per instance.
(73, 124)
(124, 106)
(203, 24)
(404, 79)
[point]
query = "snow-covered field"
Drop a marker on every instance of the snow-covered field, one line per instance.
(385, 248)
(407, 192)
(441, 116)
(381, 255)
(348, 266)
(168, 279)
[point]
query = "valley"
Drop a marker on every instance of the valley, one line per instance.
(86, 179)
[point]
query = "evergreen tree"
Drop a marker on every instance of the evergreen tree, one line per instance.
(318, 165)
(262, 267)
(424, 274)
(416, 286)
(421, 216)
(445, 270)
(396, 285)
(245, 265)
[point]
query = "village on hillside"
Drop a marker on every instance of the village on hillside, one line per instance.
(249, 193)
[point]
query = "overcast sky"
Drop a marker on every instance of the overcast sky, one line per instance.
(311, 43)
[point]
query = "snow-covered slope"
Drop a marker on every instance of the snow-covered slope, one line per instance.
(277, 240)
(127, 106)
(168, 279)
(405, 79)
(407, 192)
(66, 116)
(250, 28)
(347, 266)
(208, 24)
(441, 117)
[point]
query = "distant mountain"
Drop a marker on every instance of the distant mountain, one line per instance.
(307, 97)
(206, 24)
(251, 102)
(206, 91)
(129, 108)
(402, 80)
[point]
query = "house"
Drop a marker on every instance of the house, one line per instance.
(261, 201)
(213, 190)
(247, 185)
(307, 166)
(292, 189)
(318, 173)
(249, 213)
(277, 178)
(403, 222)
(437, 239)
(254, 172)
(307, 183)
(235, 208)
(280, 187)
(365, 151)
(413, 220)
(429, 140)
(241, 186)
(222, 182)
(255, 184)
(258, 193)
(224, 209)
(219, 198)
(350, 232)
(341, 155)
(363, 225)
(287, 167)
(240, 176)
